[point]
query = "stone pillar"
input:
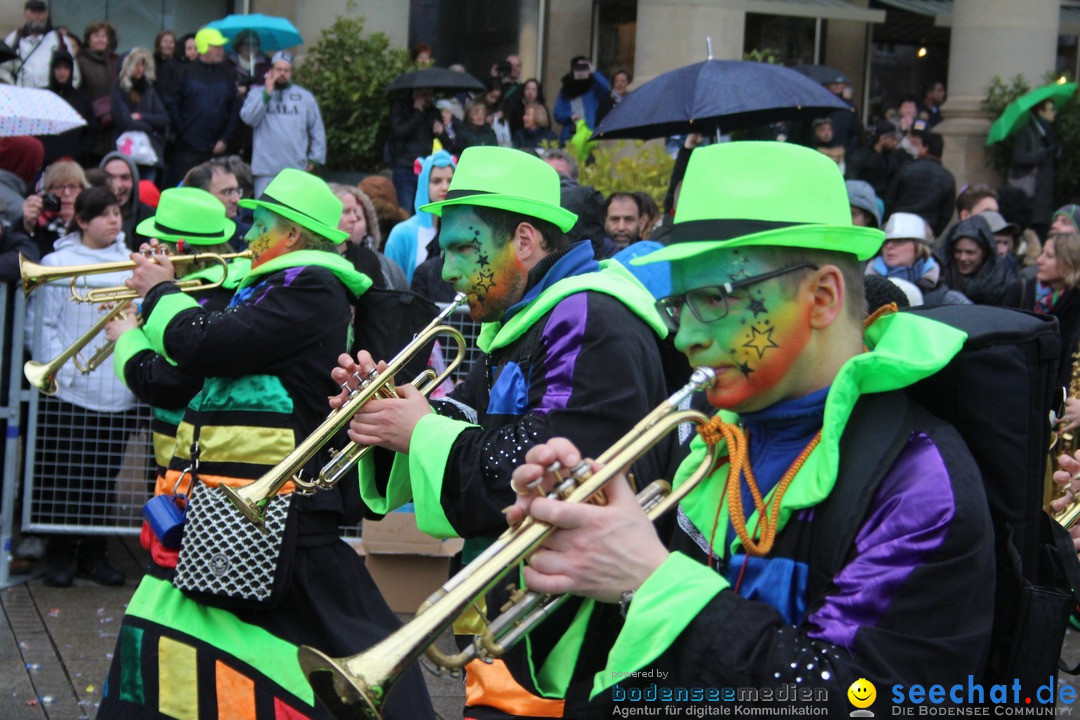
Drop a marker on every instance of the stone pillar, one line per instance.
(672, 33)
(990, 37)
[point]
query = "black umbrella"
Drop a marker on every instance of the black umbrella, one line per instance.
(822, 74)
(6, 53)
(436, 79)
(715, 96)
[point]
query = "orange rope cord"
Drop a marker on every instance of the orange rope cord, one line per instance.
(739, 467)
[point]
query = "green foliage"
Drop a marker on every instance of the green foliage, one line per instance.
(624, 167)
(767, 55)
(348, 74)
(1067, 125)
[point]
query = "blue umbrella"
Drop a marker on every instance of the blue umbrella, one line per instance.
(717, 96)
(274, 33)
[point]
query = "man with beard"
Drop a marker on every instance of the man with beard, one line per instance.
(623, 220)
(34, 42)
(288, 127)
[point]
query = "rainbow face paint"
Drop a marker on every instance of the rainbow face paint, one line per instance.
(476, 264)
(754, 347)
(265, 240)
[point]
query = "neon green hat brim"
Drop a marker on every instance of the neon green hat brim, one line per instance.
(558, 216)
(149, 228)
(305, 221)
(862, 242)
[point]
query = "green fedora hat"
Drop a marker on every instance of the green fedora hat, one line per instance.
(742, 194)
(304, 199)
(189, 214)
(506, 179)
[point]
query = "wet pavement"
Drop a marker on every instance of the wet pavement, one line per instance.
(57, 643)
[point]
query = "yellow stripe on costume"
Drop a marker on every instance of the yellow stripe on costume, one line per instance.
(178, 683)
(163, 448)
(236, 443)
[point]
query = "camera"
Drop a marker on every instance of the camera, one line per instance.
(50, 202)
(503, 68)
(581, 65)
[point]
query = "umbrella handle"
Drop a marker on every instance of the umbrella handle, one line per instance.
(708, 46)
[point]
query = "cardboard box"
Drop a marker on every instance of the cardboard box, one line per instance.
(406, 564)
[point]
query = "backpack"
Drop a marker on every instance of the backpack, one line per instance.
(386, 321)
(1005, 370)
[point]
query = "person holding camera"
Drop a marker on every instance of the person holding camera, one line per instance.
(46, 216)
(583, 89)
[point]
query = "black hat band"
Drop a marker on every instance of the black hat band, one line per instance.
(720, 230)
(176, 231)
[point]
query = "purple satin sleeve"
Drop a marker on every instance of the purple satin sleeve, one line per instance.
(907, 522)
(564, 334)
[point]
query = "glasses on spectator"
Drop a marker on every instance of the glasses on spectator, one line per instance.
(60, 189)
(710, 304)
(231, 192)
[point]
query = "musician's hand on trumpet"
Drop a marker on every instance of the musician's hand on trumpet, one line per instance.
(152, 267)
(1067, 476)
(597, 551)
(127, 320)
(388, 423)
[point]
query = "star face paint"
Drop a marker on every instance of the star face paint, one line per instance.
(475, 264)
(754, 347)
(265, 240)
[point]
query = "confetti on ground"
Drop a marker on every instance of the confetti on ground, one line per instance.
(90, 688)
(54, 612)
(32, 703)
(47, 699)
(33, 666)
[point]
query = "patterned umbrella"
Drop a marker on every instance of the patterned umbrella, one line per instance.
(29, 111)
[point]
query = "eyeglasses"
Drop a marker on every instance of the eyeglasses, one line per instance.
(231, 192)
(60, 189)
(710, 304)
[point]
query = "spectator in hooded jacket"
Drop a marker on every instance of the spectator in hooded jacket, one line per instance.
(124, 182)
(136, 107)
(411, 242)
(77, 143)
(972, 265)
(583, 89)
(203, 109)
(287, 125)
(905, 255)
(34, 43)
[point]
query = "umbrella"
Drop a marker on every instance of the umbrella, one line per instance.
(30, 111)
(435, 78)
(1016, 112)
(717, 95)
(822, 74)
(274, 33)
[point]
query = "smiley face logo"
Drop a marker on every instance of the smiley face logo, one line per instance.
(862, 693)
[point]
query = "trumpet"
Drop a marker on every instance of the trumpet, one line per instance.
(34, 275)
(357, 686)
(251, 500)
(43, 375)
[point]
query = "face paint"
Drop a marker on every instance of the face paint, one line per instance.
(475, 264)
(265, 240)
(754, 347)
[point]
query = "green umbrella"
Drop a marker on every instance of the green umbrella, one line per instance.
(1016, 112)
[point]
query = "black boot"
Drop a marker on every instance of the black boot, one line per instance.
(61, 561)
(94, 566)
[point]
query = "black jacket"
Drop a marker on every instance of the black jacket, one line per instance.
(995, 282)
(865, 163)
(411, 133)
(1036, 150)
(926, 188)
(203, 107)
(154, 119)
(1067, 311)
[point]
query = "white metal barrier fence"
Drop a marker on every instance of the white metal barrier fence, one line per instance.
(84, 472)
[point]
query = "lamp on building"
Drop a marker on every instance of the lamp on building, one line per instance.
(922, 51)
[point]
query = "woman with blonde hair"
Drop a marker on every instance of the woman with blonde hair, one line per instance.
(1056, 291)
(137, 108)
(46, 214)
